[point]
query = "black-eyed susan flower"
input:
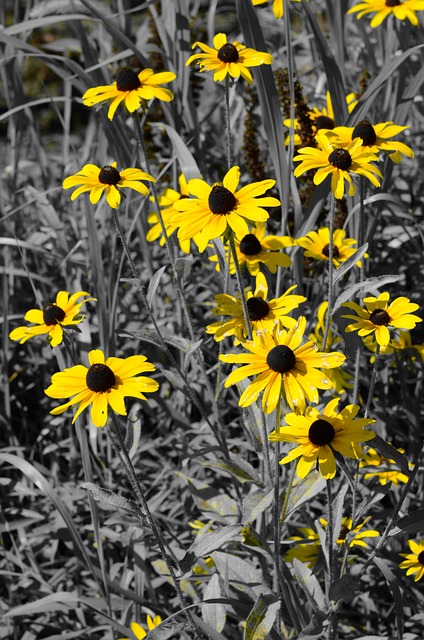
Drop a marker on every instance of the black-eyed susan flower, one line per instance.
(166, 203)
(402, 341)
(375, 138)
(400, 9)
(232, 59)
(317, 434)
(414, 562)
(338, 162)
(376, 466)
(109, 179)
(105, 383)
(53, 318)
(341, 380)
(277, 6)
(132, 89)
(139, 632)
(305, 547)
(378, 315)
(317, 245)
(282, 366)
(256, 248)
(214, 209)
(263, 314)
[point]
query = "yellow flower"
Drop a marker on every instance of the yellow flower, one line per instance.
(414, 562)
(256, 248)
(401, 10)
(340, 379)
(277, 6)
(385, 472)
(139, 632)
(262, 314)
(378, 315)
(105, 383)
(317, 245)
(216, 208)
(108, 178)
(228, 59)
(282, 366)
(318, 433)
(131, 89)
(64, 312)
(375, 138)
(339, 163)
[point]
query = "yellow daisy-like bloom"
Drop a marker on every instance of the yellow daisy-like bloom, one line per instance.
(262, 314)
(277, 6)
(378, 315)
(317, 245)
(98, 179)
(139, 632)
(256, 248)
(400, 342)
(338, 162)
(375, 138)
(282, 366)
(228, 59)
(317, 434)
(340, 379)
(414, 562)
(50, 320)
(400, 9)
(383, 468)
(105, 383)
(216, 208)
(166, 203)
(132, 89)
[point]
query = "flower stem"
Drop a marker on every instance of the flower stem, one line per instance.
(277, 521)
(121, 450)
(330, 274)
(373, 379)
(240, 287)
(228, 122)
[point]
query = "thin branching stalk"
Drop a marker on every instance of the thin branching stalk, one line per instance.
(121, 450)
(277, 521)
(240, 286)
(358, 353)
(373, 380)
(228, 123)
(332, 627)
(330, 274)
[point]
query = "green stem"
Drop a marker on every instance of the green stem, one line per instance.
(373, 379)
(121, 450)
(240, 286)
(330, 274)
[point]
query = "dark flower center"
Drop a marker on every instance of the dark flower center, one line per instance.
(221, 201)
(258, 308)
(250, 245)
(281, 359)
(420, 557)
(326, 251)
(380, 317)
(228, 53)
(127, 80)
(100, 378)
(365, 130)
(340, 158)
(343, 533)
(321, 432)
(393, 3)
(324, 122)
(109, 175)
(52, 314)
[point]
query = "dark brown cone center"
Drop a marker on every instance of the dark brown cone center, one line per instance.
(321, 432)
(109, 175)
(258, 308)
(100, 378)
(228, 53)
(324, 122)
(250, 245)
(52, 314)
(420, 557)
(343, 533)
(221, 201)
(127, 80)
(340, 158)
(326, 251)
(365, 130)
(380, 317)
(393, 3)
(281, 359)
